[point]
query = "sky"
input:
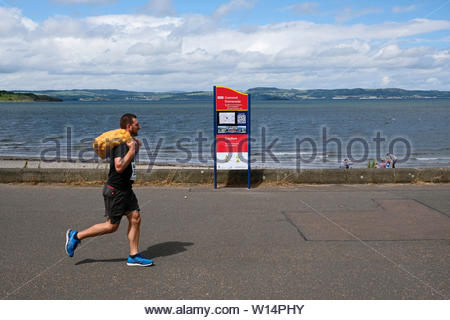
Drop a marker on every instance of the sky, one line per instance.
(175, 45)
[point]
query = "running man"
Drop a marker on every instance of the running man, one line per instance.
(119, 197)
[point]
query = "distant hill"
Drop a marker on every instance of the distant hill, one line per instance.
(6, 96)
(294, 94)
(260, 93)
(119, 95)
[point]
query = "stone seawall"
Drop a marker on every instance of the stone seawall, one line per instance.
(231, 178)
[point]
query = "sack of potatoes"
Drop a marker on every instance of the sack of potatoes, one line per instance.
(104, 143)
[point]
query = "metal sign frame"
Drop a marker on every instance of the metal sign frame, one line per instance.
(225, 130)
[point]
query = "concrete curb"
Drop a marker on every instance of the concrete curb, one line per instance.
(233, 178)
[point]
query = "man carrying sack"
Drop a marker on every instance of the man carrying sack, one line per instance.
(118, 195)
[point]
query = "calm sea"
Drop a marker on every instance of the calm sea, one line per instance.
(309, 134)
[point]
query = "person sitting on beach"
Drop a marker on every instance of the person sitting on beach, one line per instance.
(382, 163)
(392, 158)
(346, 164)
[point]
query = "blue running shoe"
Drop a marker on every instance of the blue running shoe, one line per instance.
(139, 261)
(71, 242)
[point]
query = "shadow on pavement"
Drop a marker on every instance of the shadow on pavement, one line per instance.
(165, 249)
(239, 178)
(99, 260)
(158, 250)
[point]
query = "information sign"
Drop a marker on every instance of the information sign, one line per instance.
(232, 131)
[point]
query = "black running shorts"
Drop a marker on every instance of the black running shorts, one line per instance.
(118, 203)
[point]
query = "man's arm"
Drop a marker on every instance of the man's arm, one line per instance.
(122, 163)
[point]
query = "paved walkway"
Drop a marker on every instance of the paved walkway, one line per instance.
(307, 242)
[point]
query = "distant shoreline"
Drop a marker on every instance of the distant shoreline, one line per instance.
(8, 96)
(258, 94)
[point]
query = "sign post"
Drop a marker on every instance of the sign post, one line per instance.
(232, 131)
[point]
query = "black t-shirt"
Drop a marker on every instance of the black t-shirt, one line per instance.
(124, 180)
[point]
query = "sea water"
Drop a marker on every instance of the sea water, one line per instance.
(285, 134)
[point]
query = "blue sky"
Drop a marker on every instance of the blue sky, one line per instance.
(161, 45)
(263, 11)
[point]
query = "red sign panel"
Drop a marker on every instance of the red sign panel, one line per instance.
(232, 143)
(232, 127)
(229, 99)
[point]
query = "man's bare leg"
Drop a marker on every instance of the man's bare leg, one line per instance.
(98, 229)
(134, 222)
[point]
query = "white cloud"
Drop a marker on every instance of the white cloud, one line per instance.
(385, 81)
(142, 52)
(12, 22)
(304, 8)
(159, 46)
(433, 81)
(233, 5)
(349, 14)
(398, 9)
(160, 8)
(388, 52)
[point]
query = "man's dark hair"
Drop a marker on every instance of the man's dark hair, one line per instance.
(127, 118)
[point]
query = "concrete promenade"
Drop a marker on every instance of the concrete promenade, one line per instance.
(305, 242)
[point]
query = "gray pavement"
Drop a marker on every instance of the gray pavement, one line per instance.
(305, 242)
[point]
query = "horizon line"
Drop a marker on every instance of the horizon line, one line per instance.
(183, 91)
